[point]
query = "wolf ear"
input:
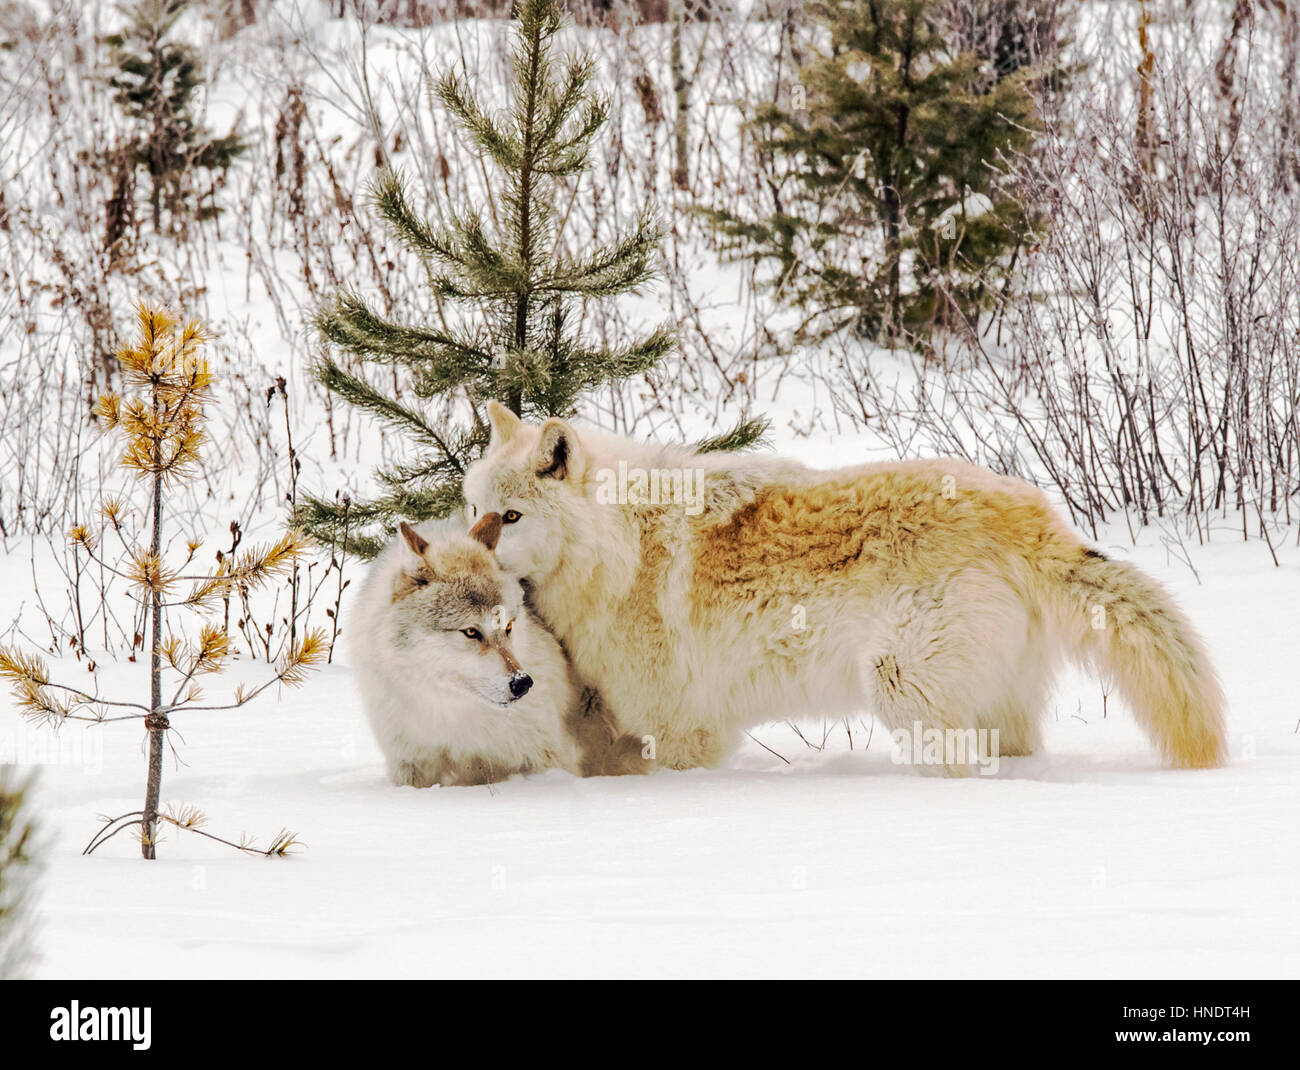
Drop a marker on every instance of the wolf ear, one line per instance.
(558, 454)
(487, 530)
(414, 539)
(505, 424)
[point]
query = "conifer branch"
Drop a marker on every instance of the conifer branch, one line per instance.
(353, 326)
(361, 394)
(745, 434)
(455, 95)
(506, 273)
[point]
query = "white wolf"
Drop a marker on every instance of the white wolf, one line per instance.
(933, 592)
(461, 683)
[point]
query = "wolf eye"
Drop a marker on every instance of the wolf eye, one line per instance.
(473, 510)
(471, 633)
(510, 516)
(509, 626)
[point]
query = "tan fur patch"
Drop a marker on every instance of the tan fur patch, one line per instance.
(604, 749)
(413, 538)
(507, 658)
(411, 580)
(487, 530)
(905, 520)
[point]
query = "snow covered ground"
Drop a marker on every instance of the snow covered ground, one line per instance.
(1087, 860)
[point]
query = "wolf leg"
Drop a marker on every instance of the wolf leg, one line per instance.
(917, 697)
(945, 658)
(603, 748)
(409, 775)
(1019, 730)
(1017, 716)
(687, 747)
(420, 771)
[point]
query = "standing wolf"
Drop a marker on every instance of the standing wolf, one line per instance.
(462, 685)
(932, 591)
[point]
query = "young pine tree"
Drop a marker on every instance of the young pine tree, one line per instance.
(17, 873)
(162, 426)
(890, 219)
(155, 84)
(516, 291)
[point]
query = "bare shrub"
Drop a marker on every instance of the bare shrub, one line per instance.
(1150, 363)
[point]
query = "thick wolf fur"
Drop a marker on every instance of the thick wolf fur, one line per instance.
(930, 591)
(440, 702)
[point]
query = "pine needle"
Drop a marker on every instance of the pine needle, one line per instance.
(23, 668)
(312, 650)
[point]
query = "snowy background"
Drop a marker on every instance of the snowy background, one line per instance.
(811, 853)
(1088, 859)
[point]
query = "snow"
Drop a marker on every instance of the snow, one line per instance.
(971, 206)
(1089, 859)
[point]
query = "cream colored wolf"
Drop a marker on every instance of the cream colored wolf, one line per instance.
(461, 683)
(730, 590)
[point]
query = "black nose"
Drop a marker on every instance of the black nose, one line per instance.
(519, 684)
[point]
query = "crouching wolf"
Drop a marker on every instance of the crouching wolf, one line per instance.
(461, 683)
(933, 592)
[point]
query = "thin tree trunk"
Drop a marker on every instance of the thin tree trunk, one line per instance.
(157, 137)
(1226, 68)
(1288, 158)
(1146, 139)
(894, 191)
(157, 719)
(893, 257)
(515, 401)
(681, 98)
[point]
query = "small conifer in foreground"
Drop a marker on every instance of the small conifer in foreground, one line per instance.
(162, 425)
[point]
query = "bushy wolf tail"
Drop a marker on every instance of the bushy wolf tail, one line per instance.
(1124, 624)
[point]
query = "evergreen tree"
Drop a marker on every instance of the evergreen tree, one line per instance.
(1010, 34)
(17, 873)
(163, 429)
(890, 217)
(155, 86)
(518, 292)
